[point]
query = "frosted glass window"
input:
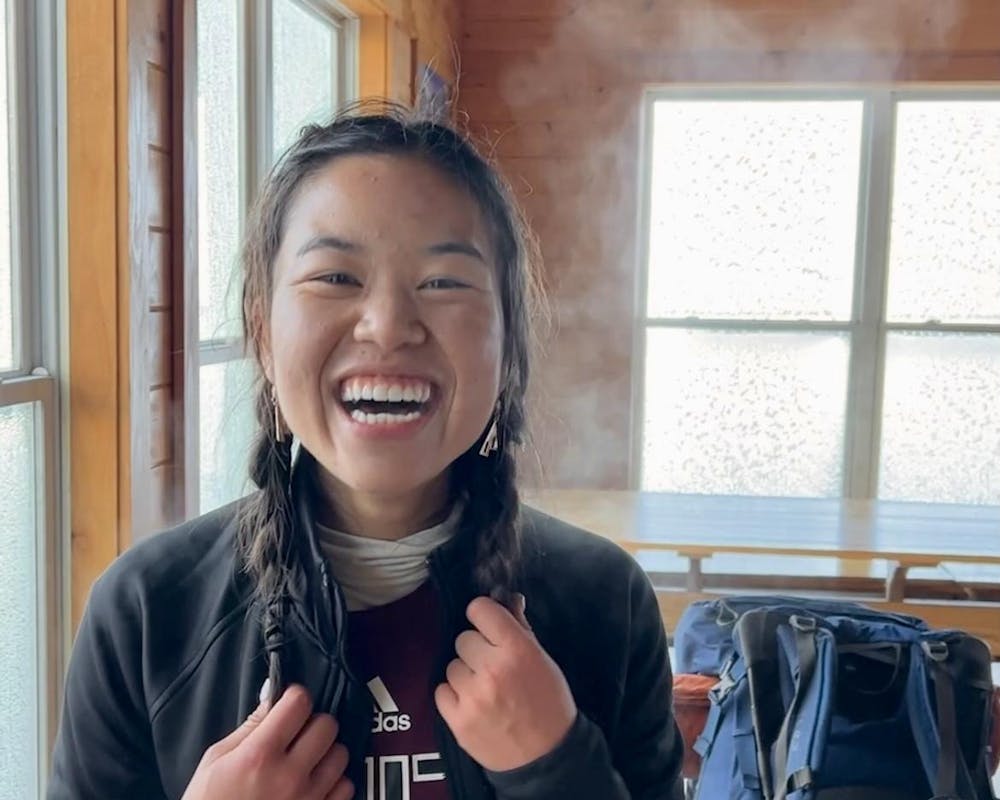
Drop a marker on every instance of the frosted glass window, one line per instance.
(7, 309)
(305, 63)
(19, 669)
(219, 154)
(754, 209)
(744, 413)
(944, 260)
(226, 425)
(941, 418)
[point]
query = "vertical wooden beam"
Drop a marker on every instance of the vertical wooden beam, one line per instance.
(98, 291)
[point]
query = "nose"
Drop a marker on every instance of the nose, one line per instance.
(390, 319)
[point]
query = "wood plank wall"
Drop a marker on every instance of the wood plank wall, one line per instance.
(156, 436)
(555, 85)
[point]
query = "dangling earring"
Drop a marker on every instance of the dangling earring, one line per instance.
(492, 441)
(279, 435)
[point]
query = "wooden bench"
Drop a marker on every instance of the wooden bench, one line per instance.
(902, 538)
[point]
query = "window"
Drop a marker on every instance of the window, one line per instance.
(822, 294)
(31, 658)
(248, 109)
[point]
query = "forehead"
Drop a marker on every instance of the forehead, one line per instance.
(379, 196)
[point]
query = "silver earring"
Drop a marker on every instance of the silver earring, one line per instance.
(279, 435)
(492, 441)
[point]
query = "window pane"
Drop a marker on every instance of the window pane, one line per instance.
(944, 261)
(304, 70)
(18, 656)
(7, 320)
(754, 209)
(744, 413)
(219, 196)
(941, 418)
(226, 427)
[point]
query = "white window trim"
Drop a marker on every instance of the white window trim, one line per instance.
(255, 28)
(36, 51)
(867, 326)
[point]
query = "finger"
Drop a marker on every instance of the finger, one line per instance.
(329, 770)
(459, 676)
(473, 649)
(282, 723)
(344, 790)
(494, 621)
(314, 741)
(233, 740)
(446, 701)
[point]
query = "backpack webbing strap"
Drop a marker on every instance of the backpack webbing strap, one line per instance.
(946, 778)
(805, 645)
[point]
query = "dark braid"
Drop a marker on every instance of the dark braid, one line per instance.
(265, 529)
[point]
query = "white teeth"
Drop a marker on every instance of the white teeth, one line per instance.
(383, 419)
(354, 391)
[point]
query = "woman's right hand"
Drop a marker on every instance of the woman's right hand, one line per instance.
(287, 753)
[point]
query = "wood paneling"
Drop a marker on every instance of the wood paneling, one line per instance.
(156, 495)
(98, 372)
(554, 88)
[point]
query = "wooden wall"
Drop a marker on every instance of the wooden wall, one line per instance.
(155, 328)
(556, 85)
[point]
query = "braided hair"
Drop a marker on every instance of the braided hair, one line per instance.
(487, 486)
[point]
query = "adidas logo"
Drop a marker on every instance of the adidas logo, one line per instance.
(387, 716)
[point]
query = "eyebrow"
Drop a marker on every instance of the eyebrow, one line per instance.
(344, 246)
(329, 242)
(462, 248)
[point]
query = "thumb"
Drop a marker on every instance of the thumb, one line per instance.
(233, 740)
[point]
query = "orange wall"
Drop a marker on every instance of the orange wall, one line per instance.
(556, 85)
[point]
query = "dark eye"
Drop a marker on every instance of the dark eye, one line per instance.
(339, 279)
(443, 283)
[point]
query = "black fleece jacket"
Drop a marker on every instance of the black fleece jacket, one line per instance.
(169, 659)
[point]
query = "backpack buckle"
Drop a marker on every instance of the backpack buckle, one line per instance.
(935, 650)
(803, 624)
(725, 615)
(721, 690)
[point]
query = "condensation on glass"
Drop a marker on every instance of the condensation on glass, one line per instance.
(226, 427)
(941, 418)
(944, 263)
(753, 209)
(304, 51)
(8, 318)
(748, 413)
(19, 669)
(219, 153)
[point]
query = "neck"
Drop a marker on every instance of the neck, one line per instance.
(378, 515)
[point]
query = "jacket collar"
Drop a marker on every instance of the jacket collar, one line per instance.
(314, 590)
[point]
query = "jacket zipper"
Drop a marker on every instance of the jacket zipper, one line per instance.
(451, 758)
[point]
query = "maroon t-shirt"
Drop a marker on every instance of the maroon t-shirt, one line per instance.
(394, 648)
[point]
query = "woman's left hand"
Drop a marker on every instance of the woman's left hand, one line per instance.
(505, 700)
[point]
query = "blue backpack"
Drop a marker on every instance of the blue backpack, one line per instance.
(835, 701)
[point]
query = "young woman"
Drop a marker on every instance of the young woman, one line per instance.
(419, 634)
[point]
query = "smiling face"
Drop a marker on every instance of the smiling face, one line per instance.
(385, 339)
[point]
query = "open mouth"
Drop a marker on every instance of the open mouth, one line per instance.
(373, 400)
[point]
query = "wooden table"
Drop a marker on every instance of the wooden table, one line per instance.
(905, 535)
